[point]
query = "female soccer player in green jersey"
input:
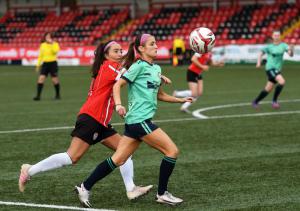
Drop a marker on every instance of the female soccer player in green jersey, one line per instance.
(144, 79)
(274, 53)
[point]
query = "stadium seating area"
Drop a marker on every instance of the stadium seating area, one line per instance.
(232, 25)
(12, 26)
(248, 24)
(70, 28)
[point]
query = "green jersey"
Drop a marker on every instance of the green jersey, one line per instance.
(143, 83)
(275, 55)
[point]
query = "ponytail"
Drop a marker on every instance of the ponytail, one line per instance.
(99, 53)
(129, 58)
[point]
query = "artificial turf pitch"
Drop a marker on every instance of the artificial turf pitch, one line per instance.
(234, 163)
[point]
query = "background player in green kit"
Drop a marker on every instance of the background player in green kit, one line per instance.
(275, 52)
(144, 80)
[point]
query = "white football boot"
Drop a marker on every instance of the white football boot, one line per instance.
(168, 198)
(138, 191)
(83, 195)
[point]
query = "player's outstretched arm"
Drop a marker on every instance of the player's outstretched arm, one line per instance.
(162, 96)
(165, 79)
(218, 63)
(258, 63)
(291, 50)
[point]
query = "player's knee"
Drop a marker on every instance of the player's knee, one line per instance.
(176, 152)
(282, 82)
(268, 89)
(119, 161)
(173, 152)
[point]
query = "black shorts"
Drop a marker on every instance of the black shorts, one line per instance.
(49, 68)
(91, 131)
(193, 77)
(139, 130)
(178, 51)
(271, 74)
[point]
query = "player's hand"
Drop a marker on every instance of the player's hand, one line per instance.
(187, 99)
(165, 79)
(121, 110)
(205, 67)
(291, 50)
(258, 65)
(221, 63)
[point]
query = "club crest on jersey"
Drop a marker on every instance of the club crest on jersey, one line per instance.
(95, 136)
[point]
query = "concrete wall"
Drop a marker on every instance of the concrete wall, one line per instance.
(31, 3)
(2, 7)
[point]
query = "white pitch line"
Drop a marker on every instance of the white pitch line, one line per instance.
(252, 115)
(198, 113)
(71, 127)
(8, 203)
(36, 129)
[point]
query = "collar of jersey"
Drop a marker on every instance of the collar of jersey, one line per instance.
(113, 63)
(146, 62)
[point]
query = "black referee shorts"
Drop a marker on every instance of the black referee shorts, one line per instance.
(90, 130)
(193, 77)
(178, 51)
(49, 68)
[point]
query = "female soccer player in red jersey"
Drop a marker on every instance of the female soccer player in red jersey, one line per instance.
(143, 80)
(200, 63)
(92, 125)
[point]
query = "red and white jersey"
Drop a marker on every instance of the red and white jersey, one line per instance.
(100, 102)
(203, 59)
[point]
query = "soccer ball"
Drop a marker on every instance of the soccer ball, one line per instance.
(202, 40)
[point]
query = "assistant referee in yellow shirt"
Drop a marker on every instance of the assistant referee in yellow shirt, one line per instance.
(178, 51)
(47, 64)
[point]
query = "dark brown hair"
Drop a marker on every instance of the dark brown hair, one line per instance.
(45, 35)
(99, 57)
(129, 58)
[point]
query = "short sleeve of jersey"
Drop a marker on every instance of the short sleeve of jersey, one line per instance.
(286, 46)
(131, 74)
(197, 55)
(265, 49)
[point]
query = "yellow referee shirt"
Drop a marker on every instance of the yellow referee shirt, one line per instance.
(178, 43)
(48, 52)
